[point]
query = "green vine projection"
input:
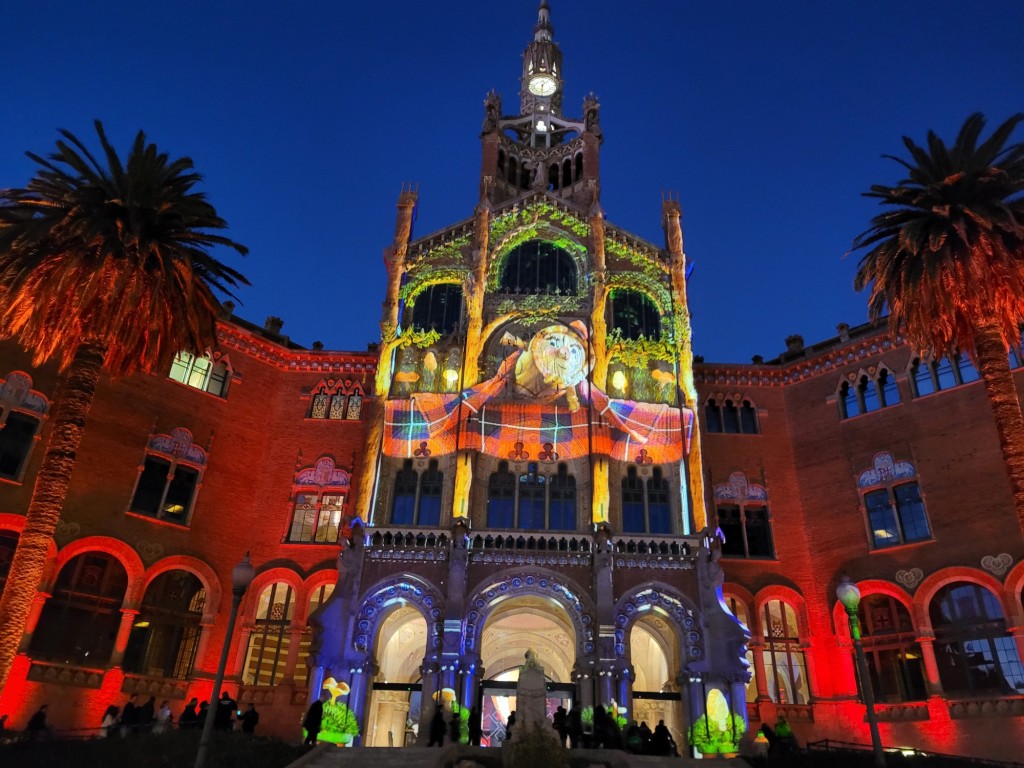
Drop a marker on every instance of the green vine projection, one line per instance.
(538, 307)
(640, 352)
(451, 251)
(653, 287)
(410, 337)
(420, 281)
(648, 263)
(518, 226)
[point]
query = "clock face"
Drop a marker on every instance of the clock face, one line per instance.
(543, 85)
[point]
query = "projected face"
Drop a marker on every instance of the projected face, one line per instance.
(559, 356)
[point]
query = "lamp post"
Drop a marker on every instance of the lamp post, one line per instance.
(849, 596)
(241, 577)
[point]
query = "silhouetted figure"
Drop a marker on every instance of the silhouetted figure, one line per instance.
(455, 728)
(37, 728)
(314, 719)
(130, 716)
(224, 717)
(574, 724)
(204, 711)
(108, 725)
(249, 719)
(145, 716)
(645, 737)
(189, 716)
(437, 729)
(509, 725)
(560, 723)
(600, 727)
(164, 718)
(476, 731)
(661, 740)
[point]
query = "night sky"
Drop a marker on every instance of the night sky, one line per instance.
(768, 120)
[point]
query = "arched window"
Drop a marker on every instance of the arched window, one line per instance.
(867, 394)
(553, 177)
(171, 474)
(513, 171)
(342, 400)
(893, 655)
(17, 437)
(417, 499)
(645, 504)
(79, 622)
(974, 652)
(892, 500)
(633, 315)
(784, 663)
(743, 518)
(579, 166)
(567, 172)
(165, 635)
(201, 373)
(438, 308)
(317, 599)
(269, 641)
(539, 267)
(501, 162)
(727, 417)
(934, 375)
(532, 500)
(739, 609)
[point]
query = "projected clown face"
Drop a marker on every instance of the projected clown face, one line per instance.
(554, 362)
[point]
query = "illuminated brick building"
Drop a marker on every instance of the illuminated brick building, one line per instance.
(517, 466)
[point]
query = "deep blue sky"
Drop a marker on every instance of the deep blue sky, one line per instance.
(767, 118)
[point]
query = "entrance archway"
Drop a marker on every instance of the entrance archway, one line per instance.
(654, 652)
(399, 649)
(516, 625)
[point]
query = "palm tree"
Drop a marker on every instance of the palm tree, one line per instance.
(946, 257)
(104, 267)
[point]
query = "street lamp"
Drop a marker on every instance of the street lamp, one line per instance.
(849, 596)
(241, 577)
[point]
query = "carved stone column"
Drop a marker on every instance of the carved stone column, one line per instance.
(123, 631)
(33, 620)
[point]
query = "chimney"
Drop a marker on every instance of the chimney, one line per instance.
(318, 346)
(273, 325)
(843, 329)
(227, 309)
(757, 359)
(795, 343)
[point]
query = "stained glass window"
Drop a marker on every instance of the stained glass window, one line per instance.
(319, 407)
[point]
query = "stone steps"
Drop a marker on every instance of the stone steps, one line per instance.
(328, 756)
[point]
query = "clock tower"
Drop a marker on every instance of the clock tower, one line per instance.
(541, 92)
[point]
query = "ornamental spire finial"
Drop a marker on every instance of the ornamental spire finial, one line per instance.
(543, 30)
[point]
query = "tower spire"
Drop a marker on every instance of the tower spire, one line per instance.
(543, 31)
(541, 92)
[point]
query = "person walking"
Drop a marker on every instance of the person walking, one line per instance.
(224, 716)
(146, 716)
(437, 729)
(476, 730)
(189, 716)
(314, 719)
(560, 723)
(108, 725)
(37, 728)
(249, 719)
(509, 725)
(130, 716)
(164, 718)
(574, 725)
(204, 712)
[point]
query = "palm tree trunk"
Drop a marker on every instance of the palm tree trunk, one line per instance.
(991, 358)
(47, 502)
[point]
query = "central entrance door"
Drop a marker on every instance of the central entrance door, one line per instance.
(498, 699)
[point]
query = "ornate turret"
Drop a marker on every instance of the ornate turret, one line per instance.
(540, 149)
(541, 92)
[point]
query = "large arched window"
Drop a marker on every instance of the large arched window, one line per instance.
(417, 499)
(784, 663)
(893, 655)
(633, 315)
(974, 652)
(645, 504)
(79, 622)
(539, 267)
(438, 308)
(165, 635)
(531, 500)
(270, 639)
(317, 599)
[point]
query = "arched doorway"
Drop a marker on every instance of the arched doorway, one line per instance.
(394, 702)
(399, 650)
(516, 625)
(654, 653)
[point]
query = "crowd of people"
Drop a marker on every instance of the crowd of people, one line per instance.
(134, 718)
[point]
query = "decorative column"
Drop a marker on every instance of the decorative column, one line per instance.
(624, 677)
(430, 673)
(932, 681)
(359, 690)
(34, 612)
(294, 642)
(123, 631)
(760, 676)
(671, 215)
